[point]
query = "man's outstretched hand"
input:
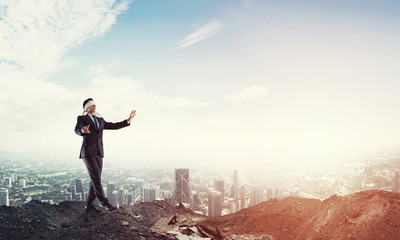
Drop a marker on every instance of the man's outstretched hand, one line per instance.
(85, 129)
(133, 113)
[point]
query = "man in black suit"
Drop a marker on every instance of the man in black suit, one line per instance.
(90, 127)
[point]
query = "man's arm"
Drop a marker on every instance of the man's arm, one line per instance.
(118, 125)
(114, 126)
(80, 127)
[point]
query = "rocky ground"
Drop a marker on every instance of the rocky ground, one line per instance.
(363, 215)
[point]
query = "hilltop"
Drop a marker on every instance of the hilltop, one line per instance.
(363, 215)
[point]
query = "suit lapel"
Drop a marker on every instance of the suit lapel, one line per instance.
(92, 125)
(100, 122)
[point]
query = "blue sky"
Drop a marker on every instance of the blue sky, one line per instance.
(226, 81)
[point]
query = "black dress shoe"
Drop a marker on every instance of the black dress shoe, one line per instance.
(109, 207)
(90, 208)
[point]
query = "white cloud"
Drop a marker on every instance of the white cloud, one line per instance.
(114, 87)
(35, 38)
(35, 35)
(208, 30)
(39, 112)
(253, 93)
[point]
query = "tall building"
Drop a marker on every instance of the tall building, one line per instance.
(79, 188)
(72, 190)
(182, 194)
(4, 197)
(256, 196)
(395, 182)
(214, 204)
(236, 184)
(22, 183)
(231, 205)
(110, 189)
(7, 182)
(170, 198)
(133, 190)
(114, 199)
(150, 193)
(129, 199)
(219, 186)
(121, 196)
(197, 204)
(13, 177)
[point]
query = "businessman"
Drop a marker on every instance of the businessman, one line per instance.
(90, 127)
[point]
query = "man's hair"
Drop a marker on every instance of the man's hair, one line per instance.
(86, 101)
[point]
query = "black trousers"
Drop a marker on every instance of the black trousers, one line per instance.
(94, 165)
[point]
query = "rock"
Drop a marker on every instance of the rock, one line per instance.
(125, 223)
(133, 228)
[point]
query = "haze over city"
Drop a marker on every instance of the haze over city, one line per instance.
(229, 82)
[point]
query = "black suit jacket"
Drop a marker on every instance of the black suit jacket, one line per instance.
(93, 142)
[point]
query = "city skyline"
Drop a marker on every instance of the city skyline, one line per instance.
(208, 191)
(227, 82)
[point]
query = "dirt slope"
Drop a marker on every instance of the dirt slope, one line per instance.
(363, 215)
(366, 215)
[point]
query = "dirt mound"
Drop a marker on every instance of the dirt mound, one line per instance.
(363, 215)
(281, 218)
(67, 220)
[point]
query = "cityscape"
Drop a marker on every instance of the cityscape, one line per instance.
(208, 191)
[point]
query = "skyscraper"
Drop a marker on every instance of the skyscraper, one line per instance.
(242, 199)
(72, 190)
(150, 193)
(79, 188)
(219, 186)
(129, 199)
(110, 190)
(13, 177)
(236, 184)
(4, 197)
(114, 199)
(256, 196)
(121, 196)
(214, 204)
(7, 182)
(182, 185)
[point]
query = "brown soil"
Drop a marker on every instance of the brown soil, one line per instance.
(366, 215)
(363, 215)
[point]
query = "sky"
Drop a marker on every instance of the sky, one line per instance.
(224, 82)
